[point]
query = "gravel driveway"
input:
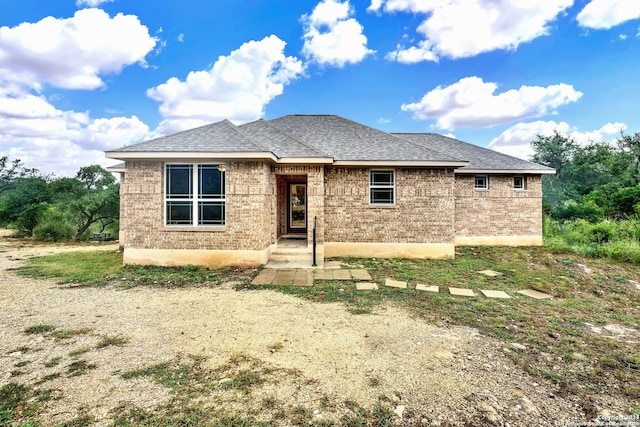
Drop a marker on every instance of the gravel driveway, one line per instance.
(434, 376)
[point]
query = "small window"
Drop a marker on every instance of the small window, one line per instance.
(519, 183)
(382, 187)
(481, 182)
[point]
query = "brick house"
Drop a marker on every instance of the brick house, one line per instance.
(226, 195)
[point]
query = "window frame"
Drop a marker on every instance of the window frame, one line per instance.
(523, 181)
(486, 183)
(196, 198)
(373, 187)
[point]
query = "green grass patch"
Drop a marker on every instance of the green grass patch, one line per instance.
(93, 268)
(80, 367)
(41, 328)
(111, 341)
(101, 268)
(64, 334)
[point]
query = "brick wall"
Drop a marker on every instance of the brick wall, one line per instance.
(500, 210)
(250, 210)
(423, 213)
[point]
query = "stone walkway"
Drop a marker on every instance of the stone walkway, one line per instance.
(364, 282)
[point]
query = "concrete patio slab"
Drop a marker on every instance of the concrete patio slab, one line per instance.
(462, 292)
(284, 277)
(535, 294)
(265, 277)
(495, 294)
(323, 274)
(332, 265)
(303, 278)
(342, 275)
(366, 286)
(422, 287)
(361, 275)
(395, 284)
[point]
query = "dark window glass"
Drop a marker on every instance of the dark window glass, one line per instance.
(481, 183)
(382, 196)
(518, 183)
(211, 181)
(179, 183)
(211, 213)
(179, 213)
(381, 177)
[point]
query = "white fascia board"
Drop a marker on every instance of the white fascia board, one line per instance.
(506, 171)
(306, 160)
(122, 155)
(400, 163)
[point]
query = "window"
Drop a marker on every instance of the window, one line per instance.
(195, 195)
(481, 182)
(519, 183)
(382, 187)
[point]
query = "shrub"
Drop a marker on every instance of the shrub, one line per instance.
(54, 227)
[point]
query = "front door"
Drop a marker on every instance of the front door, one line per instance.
(297, 208)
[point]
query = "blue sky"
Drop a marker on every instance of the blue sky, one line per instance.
(78, 77)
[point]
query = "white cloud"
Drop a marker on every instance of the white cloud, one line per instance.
(516, 140)
(181, 37)
(604, 14)
(472, 102)
(91, 3)
(237, 87)
(72, 53)
(457, 29)
(332, 37)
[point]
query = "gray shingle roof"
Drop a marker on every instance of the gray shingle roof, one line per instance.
(479, 158)
(278, 142)
(219, 137)
(328, 137)
(346, 140)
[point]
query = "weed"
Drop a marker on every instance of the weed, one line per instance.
(79, 367)
(78, 352)
(109, 341)
(21, 349)
(63, 334)
(49, 377)
(78, 422)
(52, 362)
(16, 373)
(41, 328)
(23, 363)
(269, 402)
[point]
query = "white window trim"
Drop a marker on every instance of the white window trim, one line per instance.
(486, 182)
(524, 183)
(392, 186)
(195, 199)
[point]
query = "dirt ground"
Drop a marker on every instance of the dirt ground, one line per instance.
(435, 376)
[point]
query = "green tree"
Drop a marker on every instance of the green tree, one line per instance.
(24, 202)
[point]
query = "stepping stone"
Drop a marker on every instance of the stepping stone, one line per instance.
(535, 294)
(421, 287)
(462, 292)
(395, 284)
(490, 273)
(361, 275)
(366, 286)
(284, 277)
(341, 275)
(303, 278)
(265, 277)
(323, 274)
(332, 265)
(494, 294)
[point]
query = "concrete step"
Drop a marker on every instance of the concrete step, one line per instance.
(291, 257)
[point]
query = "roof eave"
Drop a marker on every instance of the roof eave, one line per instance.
(507, 171)
(401, 163)
(157, 155)
(306, 160)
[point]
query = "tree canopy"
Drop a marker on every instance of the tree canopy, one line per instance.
(57, 208)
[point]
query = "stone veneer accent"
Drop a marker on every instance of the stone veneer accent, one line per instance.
(500, 215)
(423, 212)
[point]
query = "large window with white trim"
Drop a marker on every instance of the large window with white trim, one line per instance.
(481, 182)
(195, 195)
(382, 187)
